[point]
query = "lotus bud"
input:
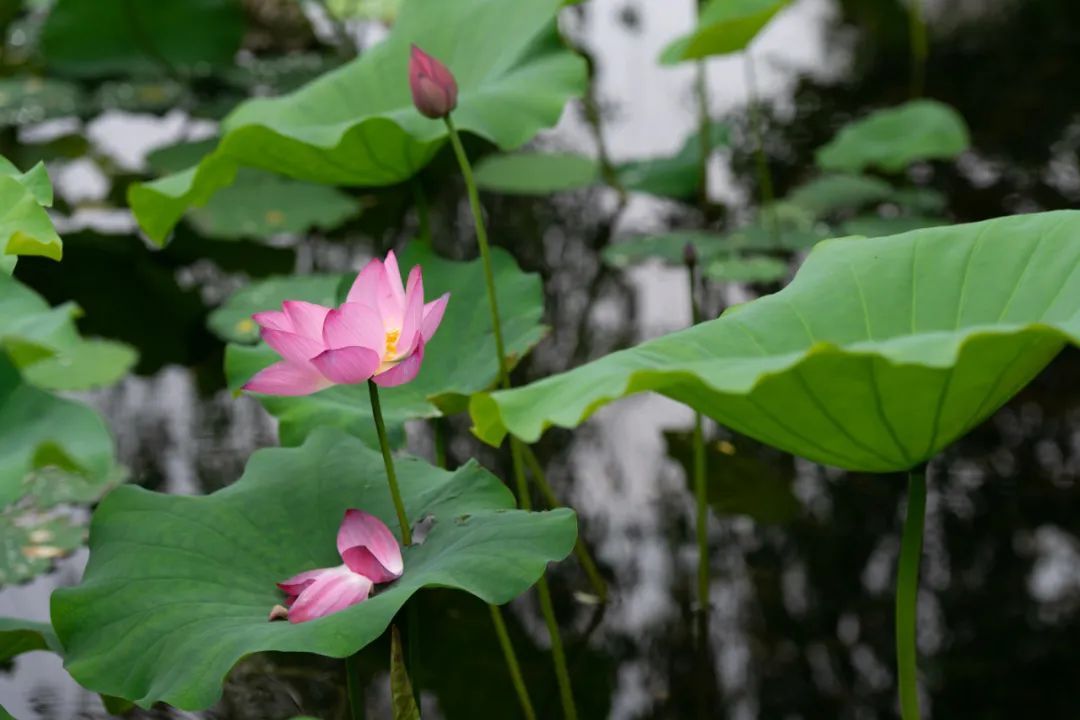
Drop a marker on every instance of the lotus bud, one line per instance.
(434, 89)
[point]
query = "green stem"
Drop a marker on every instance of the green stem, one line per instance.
(584, 557)
(699, 468)
(388, 461)
(907, 595)
(485, 249)
(704, 134)
(512, 662)
(561, 672)
(765, 182)
(919, 47)
(356, 690)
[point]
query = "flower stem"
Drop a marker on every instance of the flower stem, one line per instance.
(388, 461)
(356, 690)
(584, 557)
(907, 595)
(699, 467)
(701, 88)
(485, 249)
(561, 672)
(512, 662)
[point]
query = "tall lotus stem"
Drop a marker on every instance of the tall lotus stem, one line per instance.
(690, 259)
(765, 182)
(388, 461)
(562, 674)
(907, 595)
(919, 47)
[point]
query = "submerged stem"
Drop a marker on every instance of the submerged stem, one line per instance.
(907, 595)
(701, 88)
(561, 672)
(765, 182)
(356, 690)
(701, 526)
(512, 662)
(388, 461)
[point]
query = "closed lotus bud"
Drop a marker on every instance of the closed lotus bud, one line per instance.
(689, 254)
(434, 89)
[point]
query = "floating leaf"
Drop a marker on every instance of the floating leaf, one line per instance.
(29, 546)
(667, 247)
(44, 342)
(459, 360)
(536, 173)
(28, 100)
(18, 636)
(677, 176)
(724, 27)
(829, 193)
(141, 36)
(193, 578)
(747, 268)
(880, 353)
(919, 199)
(893, 138)
(357, 125)
(877, 225)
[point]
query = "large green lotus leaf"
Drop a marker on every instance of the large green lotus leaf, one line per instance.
(25, 227)
(893, 138)
(880, 353)
(357, 125)
(724, 27)
(44, 433)
(141, 36)
(536, 173)
(18, 636)
(178, 589)
(45, 344)
(262, 205)
(829, 193)
(677, 176)
(459, 360)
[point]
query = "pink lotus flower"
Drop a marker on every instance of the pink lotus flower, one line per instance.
(371, 556)
(434, 89)
(378, 333)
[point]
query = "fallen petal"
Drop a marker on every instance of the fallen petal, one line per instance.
(369, 547)
(296, 584)
(348, 365)
(332, 591)
(278, 612)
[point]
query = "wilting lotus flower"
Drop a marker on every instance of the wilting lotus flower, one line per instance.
(434, 89)
(371, 556)
(378, 333)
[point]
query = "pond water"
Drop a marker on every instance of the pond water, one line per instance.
(802, 556)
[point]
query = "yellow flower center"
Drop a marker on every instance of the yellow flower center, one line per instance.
(391, 342)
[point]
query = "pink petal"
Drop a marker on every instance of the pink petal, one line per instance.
(286, 378)
(307, 318)
(274, 320)
(369, 547)
(433, 315)
(335, 589)
(365, 288)
(348, 365)
(393, 279)
(296, 584)
(294, 348)
(354, 324)
(404, 371)
(413, 316)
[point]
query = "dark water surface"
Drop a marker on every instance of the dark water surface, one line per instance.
(803, 557)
